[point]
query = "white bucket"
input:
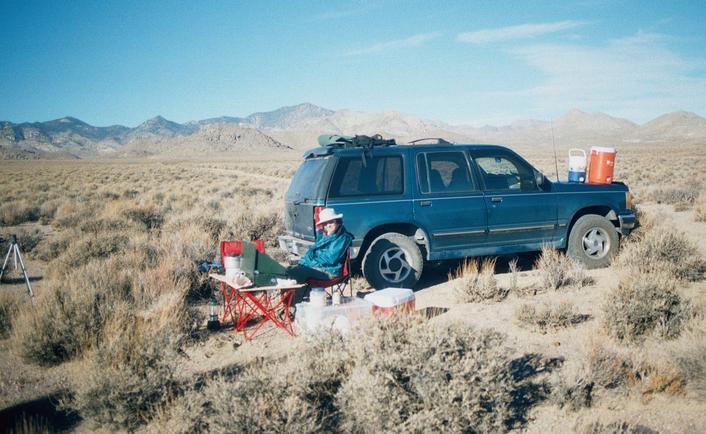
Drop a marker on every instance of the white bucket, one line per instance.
(577, 160)
(317, 297)
(232, 266)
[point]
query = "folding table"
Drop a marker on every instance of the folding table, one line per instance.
(262, 304)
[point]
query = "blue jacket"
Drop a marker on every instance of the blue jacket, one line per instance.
(328, 252)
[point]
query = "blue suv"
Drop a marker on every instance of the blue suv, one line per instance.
(407, 204)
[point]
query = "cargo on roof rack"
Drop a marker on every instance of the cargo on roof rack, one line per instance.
(333, 140)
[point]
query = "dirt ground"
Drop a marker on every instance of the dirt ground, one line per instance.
(27, 388)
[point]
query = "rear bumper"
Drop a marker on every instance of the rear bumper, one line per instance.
(628, 222)
(297, 246)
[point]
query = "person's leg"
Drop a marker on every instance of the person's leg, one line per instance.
(301, 274)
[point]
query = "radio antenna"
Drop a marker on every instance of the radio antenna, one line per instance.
(556, 164)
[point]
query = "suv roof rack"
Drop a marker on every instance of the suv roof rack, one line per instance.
(367, 142)
(439, 141)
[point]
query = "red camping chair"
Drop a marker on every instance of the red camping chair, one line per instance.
(233, 248)
(337, 284)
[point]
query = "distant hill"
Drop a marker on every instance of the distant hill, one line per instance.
(297, 127)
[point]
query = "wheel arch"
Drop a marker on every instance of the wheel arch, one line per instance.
(407, 229)
(601, 210)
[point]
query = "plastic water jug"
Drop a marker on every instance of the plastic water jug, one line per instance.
(577, 165)
(602, 165)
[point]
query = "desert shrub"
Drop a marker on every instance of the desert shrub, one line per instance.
(675, 195)
(472, 284)
(16, 212)
(615, 427)
(549, 316)
(148, 216)
(47, 210)
(70, 214)
(644, 304)
(608, 368)
(130, 375)
(261, 226)
(9, 306)
(662, 249)
(27, 240)
(558, 270)
(689, 355)
(54, 246)
(82, 250)
(574, 394)
(414, 376)
(70, 314)
(700, 209)
(294, 394)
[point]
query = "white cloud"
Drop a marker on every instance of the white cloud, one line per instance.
(522, 31)
(636, 77)
(412, 41)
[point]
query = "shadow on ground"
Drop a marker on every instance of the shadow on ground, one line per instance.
(41, 415)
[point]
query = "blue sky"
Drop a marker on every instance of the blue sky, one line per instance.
(122, 62)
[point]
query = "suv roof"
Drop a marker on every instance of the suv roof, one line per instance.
(331, 144)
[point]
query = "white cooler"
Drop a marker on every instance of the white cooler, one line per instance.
(310, 318)
(391, 300)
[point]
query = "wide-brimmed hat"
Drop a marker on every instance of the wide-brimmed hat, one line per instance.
(328, 214)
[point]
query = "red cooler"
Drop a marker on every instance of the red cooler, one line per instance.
(602, 164)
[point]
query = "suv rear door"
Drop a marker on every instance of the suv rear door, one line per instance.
(449, 204)
(306, 191)
(369, 189)
(521, 216)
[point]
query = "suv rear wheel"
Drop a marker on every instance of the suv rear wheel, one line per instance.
(593, 241)
(393, 260)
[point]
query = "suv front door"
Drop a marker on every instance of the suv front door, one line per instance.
(521, 215)
(448, 203)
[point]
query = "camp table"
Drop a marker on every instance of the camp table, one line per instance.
(262, 303)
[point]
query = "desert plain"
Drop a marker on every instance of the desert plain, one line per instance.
(115, 338)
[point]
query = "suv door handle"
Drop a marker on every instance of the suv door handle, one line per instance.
(496, 199)
(425, 203)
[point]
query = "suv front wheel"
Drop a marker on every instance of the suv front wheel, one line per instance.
(393, 260)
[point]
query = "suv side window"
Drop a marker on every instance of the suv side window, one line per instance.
(444, 172)
(504, 172)
(379, 175)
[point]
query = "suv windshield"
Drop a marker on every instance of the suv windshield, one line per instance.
(306, 181)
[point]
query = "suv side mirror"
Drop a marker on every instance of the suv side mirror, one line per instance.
(538, 178)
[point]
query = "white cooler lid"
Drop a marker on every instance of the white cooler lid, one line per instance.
(390, 297)
(602, 149)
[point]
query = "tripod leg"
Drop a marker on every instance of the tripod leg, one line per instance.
(24, 271)
(4, 264)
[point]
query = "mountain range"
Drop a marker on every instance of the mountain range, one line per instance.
(297, 127)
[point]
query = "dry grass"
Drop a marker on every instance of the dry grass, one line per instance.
(558, 270)
(700, 209)
(473, 283)
(10, 303)
(130, 375)
(549, 317)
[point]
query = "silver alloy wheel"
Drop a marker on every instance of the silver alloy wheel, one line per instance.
(596, 243)
(393, 265)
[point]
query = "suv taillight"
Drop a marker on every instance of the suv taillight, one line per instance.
(317, 210)
(628, 200)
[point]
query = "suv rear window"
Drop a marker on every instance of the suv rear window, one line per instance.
(380, 175)
(307, 180)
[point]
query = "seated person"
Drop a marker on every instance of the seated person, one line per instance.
(324, 259)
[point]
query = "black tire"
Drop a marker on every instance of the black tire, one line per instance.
(593, 241)
(393, 261)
